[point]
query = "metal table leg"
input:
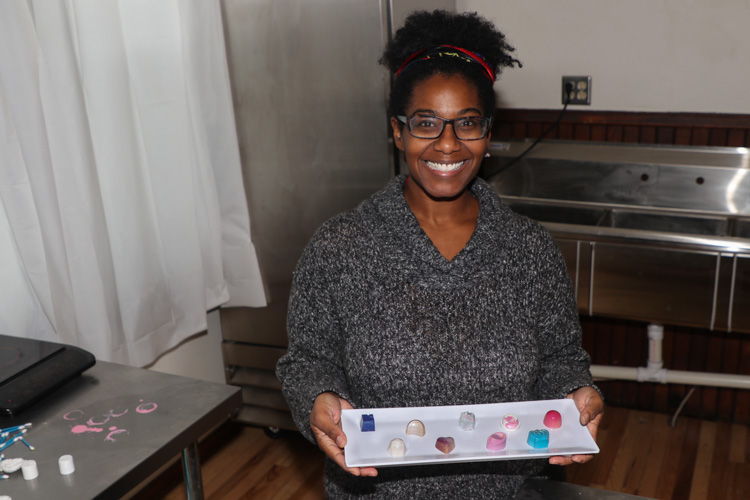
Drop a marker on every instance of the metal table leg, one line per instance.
(191, 470)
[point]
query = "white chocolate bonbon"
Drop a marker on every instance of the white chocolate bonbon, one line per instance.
(415, 428)
(396, 448)
(510, 422)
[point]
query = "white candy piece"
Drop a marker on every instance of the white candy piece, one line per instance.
(11, 464)
(396, 448)
(29, 470)
(415, 427)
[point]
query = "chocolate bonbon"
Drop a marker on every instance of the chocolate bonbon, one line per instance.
(396, 448)
(466, 421)
(445, 444)
(510, 422)
(496, 441)
(415, 428)
(538, 438)
(367, 423)
(553, 419)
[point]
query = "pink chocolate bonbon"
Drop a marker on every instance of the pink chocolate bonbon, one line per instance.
(445, 444)
(553, 419)
(496, 441)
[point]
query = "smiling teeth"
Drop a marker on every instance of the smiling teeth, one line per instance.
(445, 167)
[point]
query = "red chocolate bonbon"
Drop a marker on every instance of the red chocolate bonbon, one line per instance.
(553, 419)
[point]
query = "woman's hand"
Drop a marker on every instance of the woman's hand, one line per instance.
(325, 421)
(591, 408)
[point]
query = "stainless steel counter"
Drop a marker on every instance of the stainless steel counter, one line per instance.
(120, 424)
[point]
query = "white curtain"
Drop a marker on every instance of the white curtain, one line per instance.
(123, 217)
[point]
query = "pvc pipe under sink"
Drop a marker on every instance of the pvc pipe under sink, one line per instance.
(655, 372)
(674, 377)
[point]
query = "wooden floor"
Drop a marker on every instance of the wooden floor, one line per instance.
(640, 454)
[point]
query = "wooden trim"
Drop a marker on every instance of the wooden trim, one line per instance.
(696, 129)
(708, 120)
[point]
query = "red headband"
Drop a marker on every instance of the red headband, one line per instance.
(472, 57)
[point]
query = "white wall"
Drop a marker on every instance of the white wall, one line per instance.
(643, 55)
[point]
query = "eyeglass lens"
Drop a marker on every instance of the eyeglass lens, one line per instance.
(431, 127)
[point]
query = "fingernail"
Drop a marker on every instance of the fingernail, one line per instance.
(340, 441)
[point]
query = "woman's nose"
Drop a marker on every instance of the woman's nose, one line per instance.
(448, 142)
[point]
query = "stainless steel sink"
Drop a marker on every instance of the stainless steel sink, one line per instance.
(652, 233)
(693, 224)
(685, 224)
(564, 214)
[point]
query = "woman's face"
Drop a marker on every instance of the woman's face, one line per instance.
(442, 167)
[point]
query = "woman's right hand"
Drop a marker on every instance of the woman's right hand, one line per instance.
(325, 421)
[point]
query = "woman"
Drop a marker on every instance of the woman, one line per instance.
(432, 291)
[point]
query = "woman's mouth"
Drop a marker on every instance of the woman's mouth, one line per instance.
(444, 167)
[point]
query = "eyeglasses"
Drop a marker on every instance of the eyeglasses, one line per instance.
(466, 128)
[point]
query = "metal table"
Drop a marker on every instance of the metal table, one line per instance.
(120, 424)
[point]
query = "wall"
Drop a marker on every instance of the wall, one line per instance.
(642, 55)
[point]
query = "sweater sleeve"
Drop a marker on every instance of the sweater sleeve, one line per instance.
(565, 365)
(313, 362)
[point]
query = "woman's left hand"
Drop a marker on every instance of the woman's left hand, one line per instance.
(591, 408)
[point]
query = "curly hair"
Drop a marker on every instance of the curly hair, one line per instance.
(424, 30)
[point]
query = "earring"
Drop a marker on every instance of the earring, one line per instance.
(486, 155)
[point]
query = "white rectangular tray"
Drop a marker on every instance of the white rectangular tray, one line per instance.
(368, 449)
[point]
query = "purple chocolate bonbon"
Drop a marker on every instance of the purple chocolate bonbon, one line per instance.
(445, 444)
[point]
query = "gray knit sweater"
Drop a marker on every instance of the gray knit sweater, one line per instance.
(379, 317)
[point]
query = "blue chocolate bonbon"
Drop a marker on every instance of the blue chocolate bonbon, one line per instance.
(538, 438)
(367, 423)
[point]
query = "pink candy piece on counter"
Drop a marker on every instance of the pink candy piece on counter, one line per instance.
(510, 422)
(445, 444)
(496, 441)
(553, 420)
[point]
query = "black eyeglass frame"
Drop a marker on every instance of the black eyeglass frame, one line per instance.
(406, 120)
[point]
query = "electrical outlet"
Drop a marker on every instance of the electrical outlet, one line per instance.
(576, 89)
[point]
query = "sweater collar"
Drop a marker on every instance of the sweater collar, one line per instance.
(405, 234)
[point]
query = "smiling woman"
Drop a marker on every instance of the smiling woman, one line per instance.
(441, 168)
(433, 292)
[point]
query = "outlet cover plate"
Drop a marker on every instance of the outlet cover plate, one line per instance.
(581, 93)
